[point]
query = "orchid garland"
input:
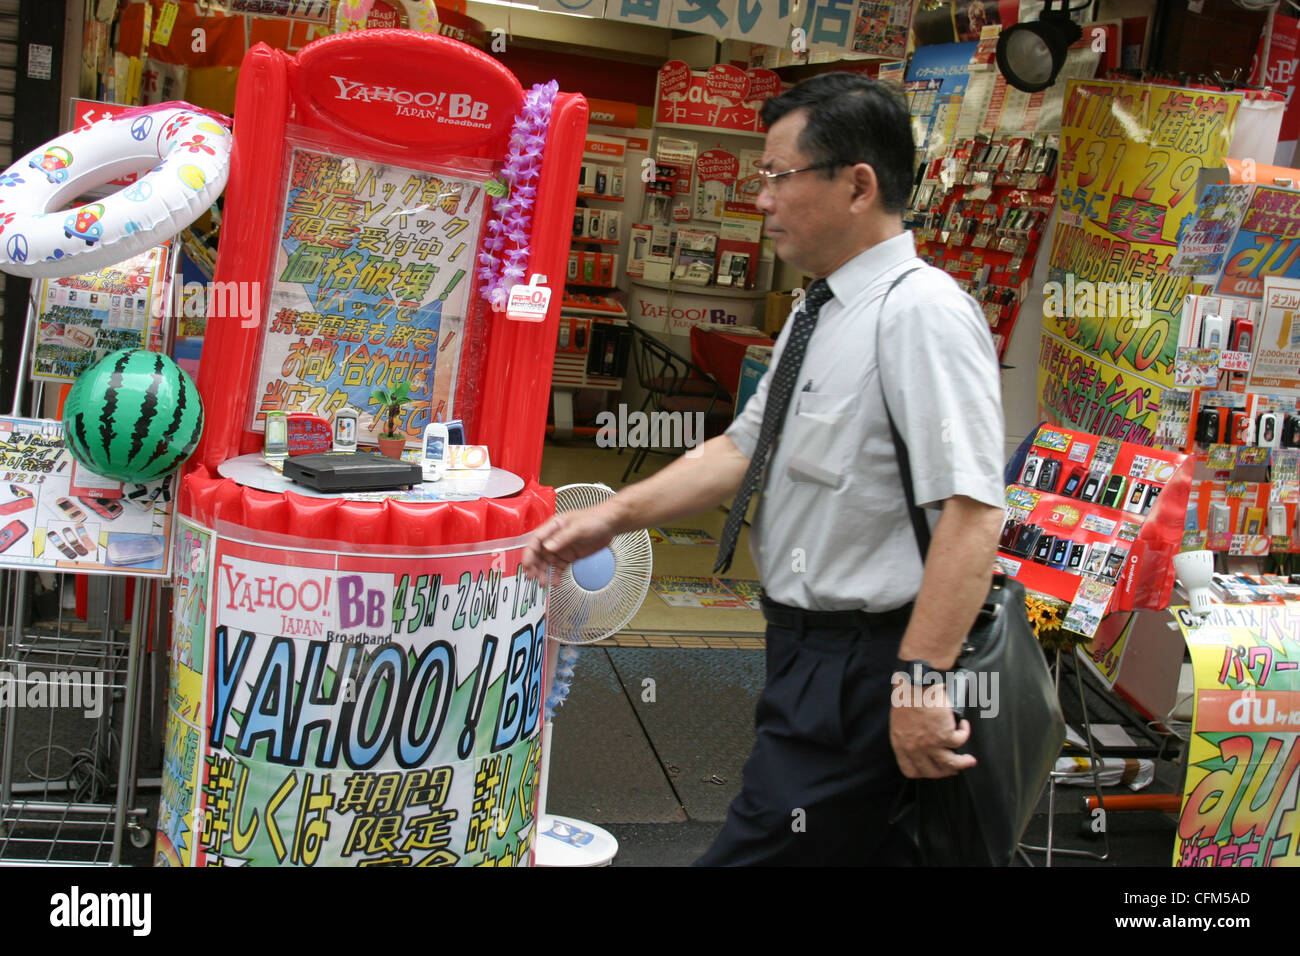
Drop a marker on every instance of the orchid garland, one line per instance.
(506, 249)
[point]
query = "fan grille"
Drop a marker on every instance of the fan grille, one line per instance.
(576, 615)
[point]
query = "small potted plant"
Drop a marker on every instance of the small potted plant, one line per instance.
(390, 401)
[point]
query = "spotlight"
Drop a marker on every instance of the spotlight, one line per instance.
(1030, 55)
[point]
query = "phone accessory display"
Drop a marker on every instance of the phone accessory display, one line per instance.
(1094, 521)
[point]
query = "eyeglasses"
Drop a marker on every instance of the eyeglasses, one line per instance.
(769, 178)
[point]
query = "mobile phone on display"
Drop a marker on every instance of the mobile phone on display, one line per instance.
(433, 453)
(1007, 539)
(345, 430)
(1096, 560)
(1153, 492)
(1029, 477)
(1268, 432)
(1073, 482)
(1207, 426)
(1060, 553)
(1091, 488)
(1277, 524)
(1027, 540)
(1077, 551)
(1115, 563)
(1043, 552)
(1049, 474)
(1114, 493)
(277, 435)
(1136, 497)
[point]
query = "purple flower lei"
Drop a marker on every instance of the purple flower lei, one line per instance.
(504, 257)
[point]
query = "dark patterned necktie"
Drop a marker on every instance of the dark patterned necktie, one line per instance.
(778, 401)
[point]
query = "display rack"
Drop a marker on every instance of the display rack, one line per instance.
(80, 815)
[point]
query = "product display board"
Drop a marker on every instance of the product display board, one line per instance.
(371, 287)
(1093, 521)
(351, 709)
(1241, 797)
(56, 515)
(1124, 190)
(980, 212)
(80, 319)
(1236, 404)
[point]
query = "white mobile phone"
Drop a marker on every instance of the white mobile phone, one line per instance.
(433, 457)
(345, 429)
(277, 435)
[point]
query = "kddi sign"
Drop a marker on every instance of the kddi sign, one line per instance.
(652, 310)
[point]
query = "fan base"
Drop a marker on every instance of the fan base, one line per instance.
(563, 841)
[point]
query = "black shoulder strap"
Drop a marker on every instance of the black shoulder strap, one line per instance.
(920, 527)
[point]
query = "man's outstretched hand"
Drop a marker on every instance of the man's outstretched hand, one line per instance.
(567, 537)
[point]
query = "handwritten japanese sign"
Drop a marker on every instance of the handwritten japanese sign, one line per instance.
(370, 287)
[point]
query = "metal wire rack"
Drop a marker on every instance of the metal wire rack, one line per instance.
(68, 756)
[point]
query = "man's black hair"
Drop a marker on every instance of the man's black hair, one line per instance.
(853, 119)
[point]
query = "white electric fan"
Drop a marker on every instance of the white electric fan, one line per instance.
(588, 601)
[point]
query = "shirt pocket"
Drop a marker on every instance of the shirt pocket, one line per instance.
(821, 438)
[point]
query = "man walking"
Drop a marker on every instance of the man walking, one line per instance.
(848, 601)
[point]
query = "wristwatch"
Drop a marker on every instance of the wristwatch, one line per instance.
(919, 672)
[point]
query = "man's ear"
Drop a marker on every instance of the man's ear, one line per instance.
(866, 187)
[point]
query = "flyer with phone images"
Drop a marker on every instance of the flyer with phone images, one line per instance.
(97, 525)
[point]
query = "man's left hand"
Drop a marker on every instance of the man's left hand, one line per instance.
(924, 736)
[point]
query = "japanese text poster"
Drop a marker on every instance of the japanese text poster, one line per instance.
(371, 285)
(1130, 158)
(1241, 798)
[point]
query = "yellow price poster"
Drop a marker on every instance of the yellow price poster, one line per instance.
(1130, 158)
(1079, 391)
(1241, 797)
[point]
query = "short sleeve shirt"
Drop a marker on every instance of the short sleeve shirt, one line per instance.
(832, 530)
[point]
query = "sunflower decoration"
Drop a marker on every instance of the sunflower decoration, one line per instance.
(1047, 617)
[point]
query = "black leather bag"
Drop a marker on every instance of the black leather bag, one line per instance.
(977, 817)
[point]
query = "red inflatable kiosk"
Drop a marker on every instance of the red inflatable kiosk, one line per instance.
(358, 679)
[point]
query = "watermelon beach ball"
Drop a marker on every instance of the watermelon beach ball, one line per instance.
(133, 416)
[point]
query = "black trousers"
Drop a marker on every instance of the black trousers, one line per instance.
(822, 783)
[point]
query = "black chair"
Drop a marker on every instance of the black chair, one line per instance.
(674, 385)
